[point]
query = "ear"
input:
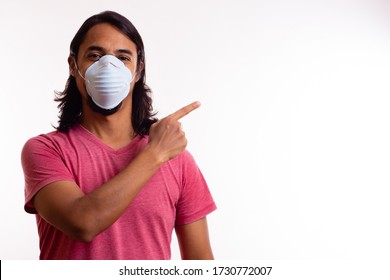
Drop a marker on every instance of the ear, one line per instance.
(72, 65)
(139, 70)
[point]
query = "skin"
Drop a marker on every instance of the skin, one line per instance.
(81, 216)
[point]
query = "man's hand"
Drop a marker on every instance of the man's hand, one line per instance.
(166, 138)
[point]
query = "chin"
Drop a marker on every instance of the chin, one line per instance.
(104, 112)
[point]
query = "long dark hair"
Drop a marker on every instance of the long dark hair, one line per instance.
(70, 99)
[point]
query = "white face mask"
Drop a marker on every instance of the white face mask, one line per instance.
(107, 81)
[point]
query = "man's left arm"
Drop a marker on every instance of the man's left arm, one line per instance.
(194, 241)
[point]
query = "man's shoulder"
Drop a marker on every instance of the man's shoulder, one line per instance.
(184, 160)
(52, 138)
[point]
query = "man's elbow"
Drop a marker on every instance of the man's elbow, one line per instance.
(83, 233)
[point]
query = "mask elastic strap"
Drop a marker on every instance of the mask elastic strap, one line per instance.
(78, 70)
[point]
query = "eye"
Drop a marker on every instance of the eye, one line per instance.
(94, 56)
(124, 58)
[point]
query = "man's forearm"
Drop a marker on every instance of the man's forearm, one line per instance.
(102, 207)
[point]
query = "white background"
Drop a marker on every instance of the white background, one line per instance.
(293, 134)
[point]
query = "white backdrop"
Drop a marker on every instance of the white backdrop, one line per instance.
(293, 133)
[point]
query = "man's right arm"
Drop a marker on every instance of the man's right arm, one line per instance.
(83, 216)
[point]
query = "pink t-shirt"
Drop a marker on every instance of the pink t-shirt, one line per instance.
(177, 194)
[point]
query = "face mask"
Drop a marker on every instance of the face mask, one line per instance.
(107, 81)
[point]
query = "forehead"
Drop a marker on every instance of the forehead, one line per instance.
(108, 37)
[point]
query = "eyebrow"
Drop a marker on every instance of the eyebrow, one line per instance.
(126, 51)
(101, 49)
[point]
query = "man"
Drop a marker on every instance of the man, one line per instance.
(113, 182)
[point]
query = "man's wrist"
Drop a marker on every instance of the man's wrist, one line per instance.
(153, 156)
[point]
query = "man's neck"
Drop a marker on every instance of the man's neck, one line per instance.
(115, 130)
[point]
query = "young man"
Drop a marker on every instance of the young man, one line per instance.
(113, 182)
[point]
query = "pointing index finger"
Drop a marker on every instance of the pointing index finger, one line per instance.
(185, 110)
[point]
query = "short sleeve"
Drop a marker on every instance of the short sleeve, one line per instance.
(42, 164)
(195, 200)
